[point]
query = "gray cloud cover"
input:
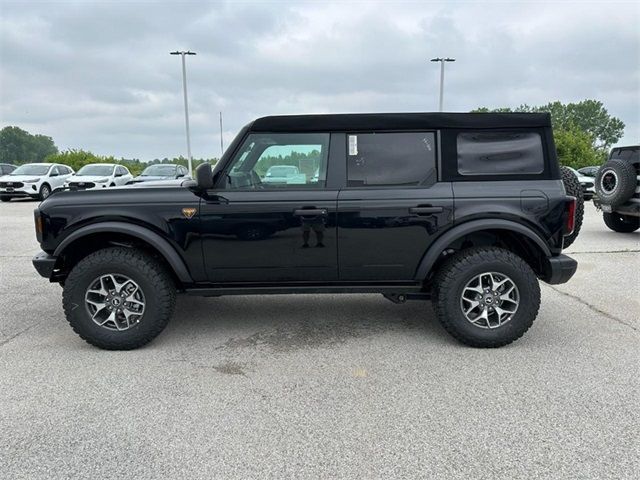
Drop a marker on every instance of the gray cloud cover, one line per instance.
(98, 76)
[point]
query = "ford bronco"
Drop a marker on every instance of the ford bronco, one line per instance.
(466, 210)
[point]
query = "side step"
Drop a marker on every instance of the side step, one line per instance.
(400, 292)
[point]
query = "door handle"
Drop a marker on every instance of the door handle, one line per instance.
(302, 212)
(426, 210)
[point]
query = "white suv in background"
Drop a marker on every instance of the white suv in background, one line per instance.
(99, 175)
(35, 180)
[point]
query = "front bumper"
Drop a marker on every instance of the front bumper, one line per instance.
(26, 191)
(45, 264)
(559, 269)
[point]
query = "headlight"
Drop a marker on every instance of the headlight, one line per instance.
(32, 180)
(102, 180)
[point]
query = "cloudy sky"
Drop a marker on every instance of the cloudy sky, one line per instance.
(98, 75)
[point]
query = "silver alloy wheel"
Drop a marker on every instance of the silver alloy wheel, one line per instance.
(115, 302)
(490, 300)
(45, 192)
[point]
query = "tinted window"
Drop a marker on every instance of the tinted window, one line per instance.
(378, 159)
(625, 154)
(500, 153)
(280, 160)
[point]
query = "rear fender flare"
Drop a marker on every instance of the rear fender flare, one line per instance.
(463, 229)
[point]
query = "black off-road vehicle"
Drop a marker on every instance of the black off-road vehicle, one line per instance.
(467, 210)
(618, 190)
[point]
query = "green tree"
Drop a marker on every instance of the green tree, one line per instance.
(76, 159)
(574, 148)
(18, 146)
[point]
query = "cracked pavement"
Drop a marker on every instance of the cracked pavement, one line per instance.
(307, 386)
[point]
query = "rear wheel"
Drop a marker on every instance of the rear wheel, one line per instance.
(621, 223)
(118, 298)
(486, 297)
(5, 199)
(574, 189)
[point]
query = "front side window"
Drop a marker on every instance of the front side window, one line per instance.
(391, 159)
(280, 160)
(500, 153)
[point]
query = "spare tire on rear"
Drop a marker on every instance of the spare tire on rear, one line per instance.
(615, 182)
(574, 189)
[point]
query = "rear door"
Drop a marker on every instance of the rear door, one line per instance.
(392, 205)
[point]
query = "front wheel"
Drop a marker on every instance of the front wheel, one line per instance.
(486, 297)
(45, 191)
(621, 223)
(5, 199)
(118, 298)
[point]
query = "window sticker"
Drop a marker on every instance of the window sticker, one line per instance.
(353, 145)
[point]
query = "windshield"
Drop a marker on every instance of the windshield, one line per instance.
(31, 170)
(159, 170)
(96, 170)
(284, 171)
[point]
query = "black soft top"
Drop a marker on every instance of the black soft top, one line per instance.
(397, 121)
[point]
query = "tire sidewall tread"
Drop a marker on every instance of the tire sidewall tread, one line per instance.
(462, 267)
(149, 273)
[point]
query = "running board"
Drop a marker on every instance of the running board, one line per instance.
(404, 290)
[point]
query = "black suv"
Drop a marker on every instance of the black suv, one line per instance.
(618, 189)
(467, 210)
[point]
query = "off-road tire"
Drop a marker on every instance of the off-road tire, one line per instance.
(574, 189)
(625, 184)
(152, 277)
(621, 223)
(45, 191)
(456, 272)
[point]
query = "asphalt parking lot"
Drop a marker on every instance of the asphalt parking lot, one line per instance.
(308, 386)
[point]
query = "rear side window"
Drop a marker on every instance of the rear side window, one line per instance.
(391, 159)
(500, 153)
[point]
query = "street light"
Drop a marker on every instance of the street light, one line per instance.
(186, 106)
(442, 60)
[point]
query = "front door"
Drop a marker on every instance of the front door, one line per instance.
(271, 217)
(392, 205)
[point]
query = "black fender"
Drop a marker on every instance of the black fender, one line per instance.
(156, 241)
(466, 228)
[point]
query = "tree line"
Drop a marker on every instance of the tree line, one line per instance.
(17, 146)
(583, 133)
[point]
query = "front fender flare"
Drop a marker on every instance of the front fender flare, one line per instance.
(156, 241)
(466, 228)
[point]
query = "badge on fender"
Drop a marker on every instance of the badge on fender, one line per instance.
(189, 212)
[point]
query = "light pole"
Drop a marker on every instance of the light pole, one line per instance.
(186, 106)
(442, 60)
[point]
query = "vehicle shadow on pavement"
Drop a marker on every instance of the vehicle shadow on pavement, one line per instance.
(285, 323)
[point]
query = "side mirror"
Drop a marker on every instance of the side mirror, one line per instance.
(180, 175)
(53, 174)
(204, 177)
